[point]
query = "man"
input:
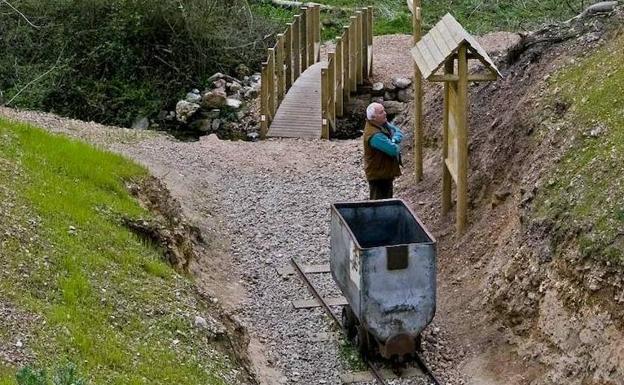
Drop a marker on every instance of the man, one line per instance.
(382, 154)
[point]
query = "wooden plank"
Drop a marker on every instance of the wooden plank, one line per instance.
(339, 78)
(288, 60)
(325, 103)
(370, 41)
(446, 175)
(365, 42)
(358, 47)
(304, 38)
(357, 377)
(353, 55)
(310, 38)
(279, 68)
(312, 303)
(346, 52)
(331, 89)
(443, 78)
(296, 38)
(264, 113)
(462, 139)
(272, 105)
(317, 33)
(418, 99)
(308, 269)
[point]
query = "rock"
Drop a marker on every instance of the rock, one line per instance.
(234, 86)
(216, 124)
(378, 99)
(140, 123)
(214, 77)
(390, 87)
(377, 89)
(405, 95)
(256, 77)
(252, 136)
(389, 96)
(192, 97)
(185, 110)
(220, 83)
(251, 93)
(233, 103)
(201, 322)
(393, 107)
(603, 6)
(205, 125)
(162, 115)
(213, 114)
(214, 99)
(401, 83)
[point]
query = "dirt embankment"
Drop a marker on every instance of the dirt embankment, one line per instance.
(560, 311)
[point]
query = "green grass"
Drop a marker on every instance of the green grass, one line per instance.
(350, 356)
(105, 299)
(585, 193)
(477, 16)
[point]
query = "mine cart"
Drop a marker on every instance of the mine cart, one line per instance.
(384, 261)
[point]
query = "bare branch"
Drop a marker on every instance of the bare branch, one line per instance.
(21, 14)
(36, 79)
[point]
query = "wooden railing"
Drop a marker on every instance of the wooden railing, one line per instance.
(296, 49)
(348, 66)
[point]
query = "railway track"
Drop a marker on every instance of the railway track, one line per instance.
(376, 373)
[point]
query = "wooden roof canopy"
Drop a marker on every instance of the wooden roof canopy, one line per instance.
(441, 43)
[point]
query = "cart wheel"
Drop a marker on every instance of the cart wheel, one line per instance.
(348, 321)
(361, 341)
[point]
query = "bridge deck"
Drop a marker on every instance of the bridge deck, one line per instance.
(299, 115)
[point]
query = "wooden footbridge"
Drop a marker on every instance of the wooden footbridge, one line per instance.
(301, 94)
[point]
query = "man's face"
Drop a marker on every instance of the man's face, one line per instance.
(380, 116)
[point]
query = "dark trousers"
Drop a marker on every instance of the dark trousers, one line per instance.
(380, 189)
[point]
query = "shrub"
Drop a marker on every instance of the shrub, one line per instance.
(112, 60)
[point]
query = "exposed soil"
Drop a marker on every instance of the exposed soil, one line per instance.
(504, 315)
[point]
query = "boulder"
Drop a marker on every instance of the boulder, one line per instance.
(234, 86)
(214, 77)
(220, 83)
(390, 87)
(193, 97)
(214, 99)
(185, 110)
(405, 95)
(205, 125)
(401, 83)
(216, 124)
(233, 103)
(251, 92)
(377, 89)
(390, 95)
(393, 107)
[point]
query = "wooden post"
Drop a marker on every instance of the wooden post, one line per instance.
(310, 35)
(296, 38)
(418, 102)
(271, 82)
(288, 70)
(462, 138)
(264, 110)
(304, 38)
(331, 74)
(317, 33)
(279, 68)
(324, 104)
(365, 42)
(358, 46)
(446, 175)
(339, 78)
(346, 58)
(370, 41)
(353, 55)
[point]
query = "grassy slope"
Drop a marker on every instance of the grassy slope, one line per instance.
(585, 192)
(477, 16)
(106, 301)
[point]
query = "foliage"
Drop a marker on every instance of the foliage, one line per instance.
(103, 298)
(65, 375)
(112, 60)
(584, 193)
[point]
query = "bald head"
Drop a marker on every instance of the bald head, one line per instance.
(376, 113)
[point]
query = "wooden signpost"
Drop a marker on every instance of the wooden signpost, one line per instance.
(448, 45)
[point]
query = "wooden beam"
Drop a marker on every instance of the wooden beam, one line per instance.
(296, 38)
(310, 38)
(279, 68)
(418, 100)
(288, 70)
(264, 110)
(358, 38)
(331, 108)
(339, 78)
(346, 62)
(304, 38)
(443, 78)
(449, 67)
(353, 54)
(462, 139)
(370, 41)
(272, 105)
(325, 103)
(317, 32)
(365, 42)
